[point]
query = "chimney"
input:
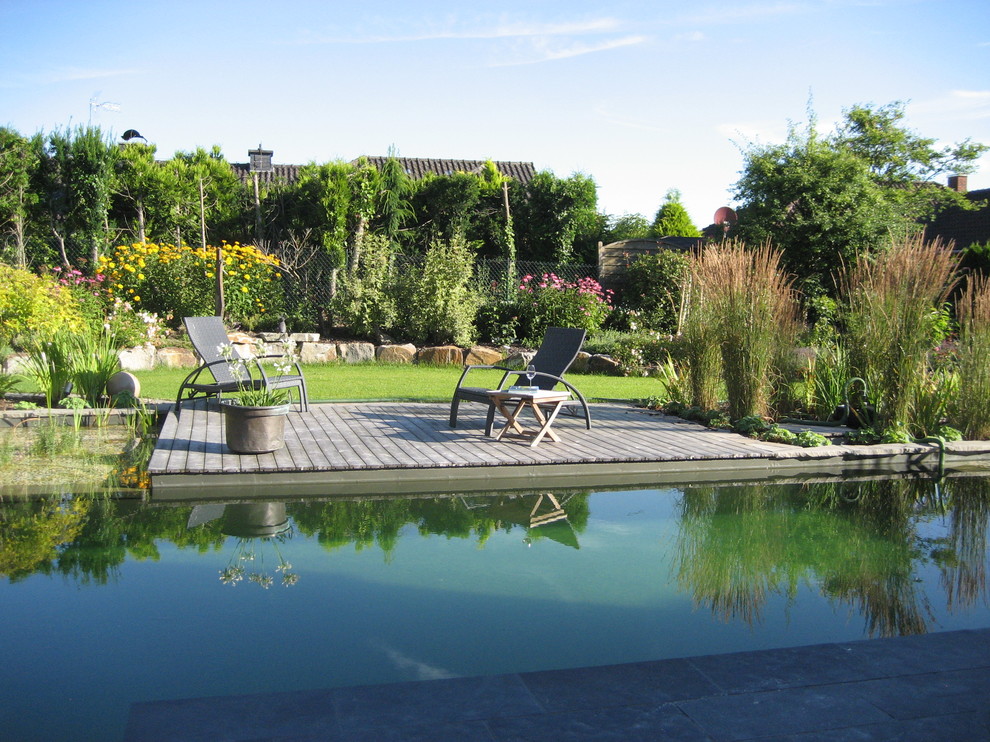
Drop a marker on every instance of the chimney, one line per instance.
(260, 160)
(958, 183)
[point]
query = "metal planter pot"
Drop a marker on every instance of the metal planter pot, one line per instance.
(254, 429)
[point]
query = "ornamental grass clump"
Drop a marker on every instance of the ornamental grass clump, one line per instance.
(971, 409)
(753, 309)
(702, 346)
(893, 321)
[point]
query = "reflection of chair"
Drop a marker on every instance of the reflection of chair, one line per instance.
(208, 336)
(555, 355)
(542, 515)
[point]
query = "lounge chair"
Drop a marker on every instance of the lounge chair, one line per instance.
(208, 335)
(555, 355)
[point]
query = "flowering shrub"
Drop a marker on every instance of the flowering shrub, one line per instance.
(180, 280)
(549, 301)
(34, 306)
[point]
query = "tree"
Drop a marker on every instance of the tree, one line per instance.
(823, 199)
(80, 178)
(903, 163)
(19, 158)
(557, 219)
(817, 203)
(625, 227)
(672, 219)
(145, 192)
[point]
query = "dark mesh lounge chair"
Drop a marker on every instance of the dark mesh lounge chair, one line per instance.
(208, 335)
(557, 352)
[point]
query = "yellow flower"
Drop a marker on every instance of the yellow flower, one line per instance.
(140, 276)
(244, 289)
(137, 298)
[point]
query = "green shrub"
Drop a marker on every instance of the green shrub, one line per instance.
(366, 300)
(776, 434)
(34, 308)
(653, 289)
(811, 439)
(442, 305)
(752, 426)
(642, 350)
(498, 322)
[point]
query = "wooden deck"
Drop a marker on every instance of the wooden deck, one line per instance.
(404, 448)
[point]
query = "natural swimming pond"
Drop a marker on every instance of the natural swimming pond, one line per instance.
(110, 602)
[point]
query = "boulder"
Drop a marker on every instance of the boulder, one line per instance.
(580, 364)
(311, 352)
(519, 358)
(482, 355)
(396, 353)
(141, 358)
(441, 355)
(356, 352)
(176, 358)
(15, 363)
(599, 364)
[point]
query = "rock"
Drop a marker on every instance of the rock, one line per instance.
(141, 358)
(123, 382)
(396, 353)
(304, 337)
(176, 358)
(241, 338)
(311, 352)
(519, 359)
(356, 352)
(580, 364)
(481, 355)
(599, 364)
(15, 363)
(441, 355)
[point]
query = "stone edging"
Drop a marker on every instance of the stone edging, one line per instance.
(312, 349)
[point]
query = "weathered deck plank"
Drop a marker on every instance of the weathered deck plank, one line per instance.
(409, 446)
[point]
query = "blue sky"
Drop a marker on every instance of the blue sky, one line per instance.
(641, 95)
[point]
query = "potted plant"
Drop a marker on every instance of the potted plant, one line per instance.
(254, 420)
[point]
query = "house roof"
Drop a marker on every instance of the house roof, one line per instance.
(419, 167)
(415, 167)
(286, 173)
(963, 227)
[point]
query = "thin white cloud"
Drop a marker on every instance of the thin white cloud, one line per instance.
(543, 51)
(500, 30)
(956, 105)
(690, 36)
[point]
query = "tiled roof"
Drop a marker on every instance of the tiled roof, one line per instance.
(286, 173)
(963, 227)
(415, 167)
(418, 167)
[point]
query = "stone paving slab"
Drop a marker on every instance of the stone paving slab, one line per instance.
(853, 691)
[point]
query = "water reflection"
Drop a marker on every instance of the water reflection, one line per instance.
(873, 548)
(858, 544)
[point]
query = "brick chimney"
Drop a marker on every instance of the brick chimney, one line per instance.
(958, 183)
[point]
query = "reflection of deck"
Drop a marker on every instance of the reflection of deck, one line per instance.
(392, 448)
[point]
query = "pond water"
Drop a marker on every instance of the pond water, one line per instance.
(109, 602)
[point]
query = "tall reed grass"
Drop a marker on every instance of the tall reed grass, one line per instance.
(702, 343)
(971, 407)
(892, 321)
(749, 306)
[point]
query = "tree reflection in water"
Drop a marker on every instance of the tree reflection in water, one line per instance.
(858, 543)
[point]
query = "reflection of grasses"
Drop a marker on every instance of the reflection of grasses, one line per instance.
(964, 563)
(737, 546)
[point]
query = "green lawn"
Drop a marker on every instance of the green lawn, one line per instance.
(337, 382)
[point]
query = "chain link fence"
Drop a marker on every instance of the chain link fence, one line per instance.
(310, 278)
